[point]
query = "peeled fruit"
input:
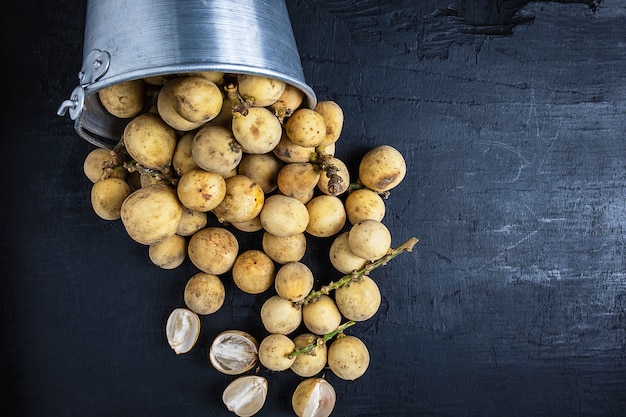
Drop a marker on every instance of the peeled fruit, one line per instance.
(245, 396)
(348, 357)
(234, 352)
(182, 330)
(314, 397)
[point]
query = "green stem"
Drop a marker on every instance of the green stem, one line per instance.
(370, 266)
(321, 340)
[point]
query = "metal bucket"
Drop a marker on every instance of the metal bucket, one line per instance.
(127, 40)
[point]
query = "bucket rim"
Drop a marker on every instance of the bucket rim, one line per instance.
(309, 93)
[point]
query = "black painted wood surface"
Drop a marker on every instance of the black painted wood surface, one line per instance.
(512, 118)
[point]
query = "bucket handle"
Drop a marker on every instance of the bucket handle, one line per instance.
(95, 65)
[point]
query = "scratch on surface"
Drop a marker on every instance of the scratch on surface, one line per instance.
(532, 111)
(509, 248)
(509, 148)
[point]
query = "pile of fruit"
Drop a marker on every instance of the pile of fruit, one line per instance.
(203, 153)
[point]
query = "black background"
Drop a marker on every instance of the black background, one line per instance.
(512, 119)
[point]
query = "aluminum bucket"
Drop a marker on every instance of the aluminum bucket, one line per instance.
(127, 40)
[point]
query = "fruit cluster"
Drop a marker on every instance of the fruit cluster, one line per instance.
(206, 152)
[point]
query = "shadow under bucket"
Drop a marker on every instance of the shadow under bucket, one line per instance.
(126, 40)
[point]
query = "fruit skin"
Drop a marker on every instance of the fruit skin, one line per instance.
(243, 201)
(170, 253)
(284, 216)
(274, 352)
(262, 169)
(306, 127)
(125, 99)
(333, 117)
(151, 214)
(201, 190)
(348, 357)
(327, 216)
(107, 197)
(312, 363)
(258, 132)
(364, 204)
(294, 281)
(215, 149)
(213, 250)
(382, 168)
(186, 103)
(284, 249)
(313, 397)
(358, 300)
(150, 141)
(340, 182)
(280, 316)
(204, 293)
(369, 239)
(321, 316)
(253, 271)
(265, 91)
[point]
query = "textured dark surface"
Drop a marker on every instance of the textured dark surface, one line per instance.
(512, 118)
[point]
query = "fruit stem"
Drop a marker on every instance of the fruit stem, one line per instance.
(159, 175)
(321, 340)
(239, 104)
(321, 160)
(358, 273)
